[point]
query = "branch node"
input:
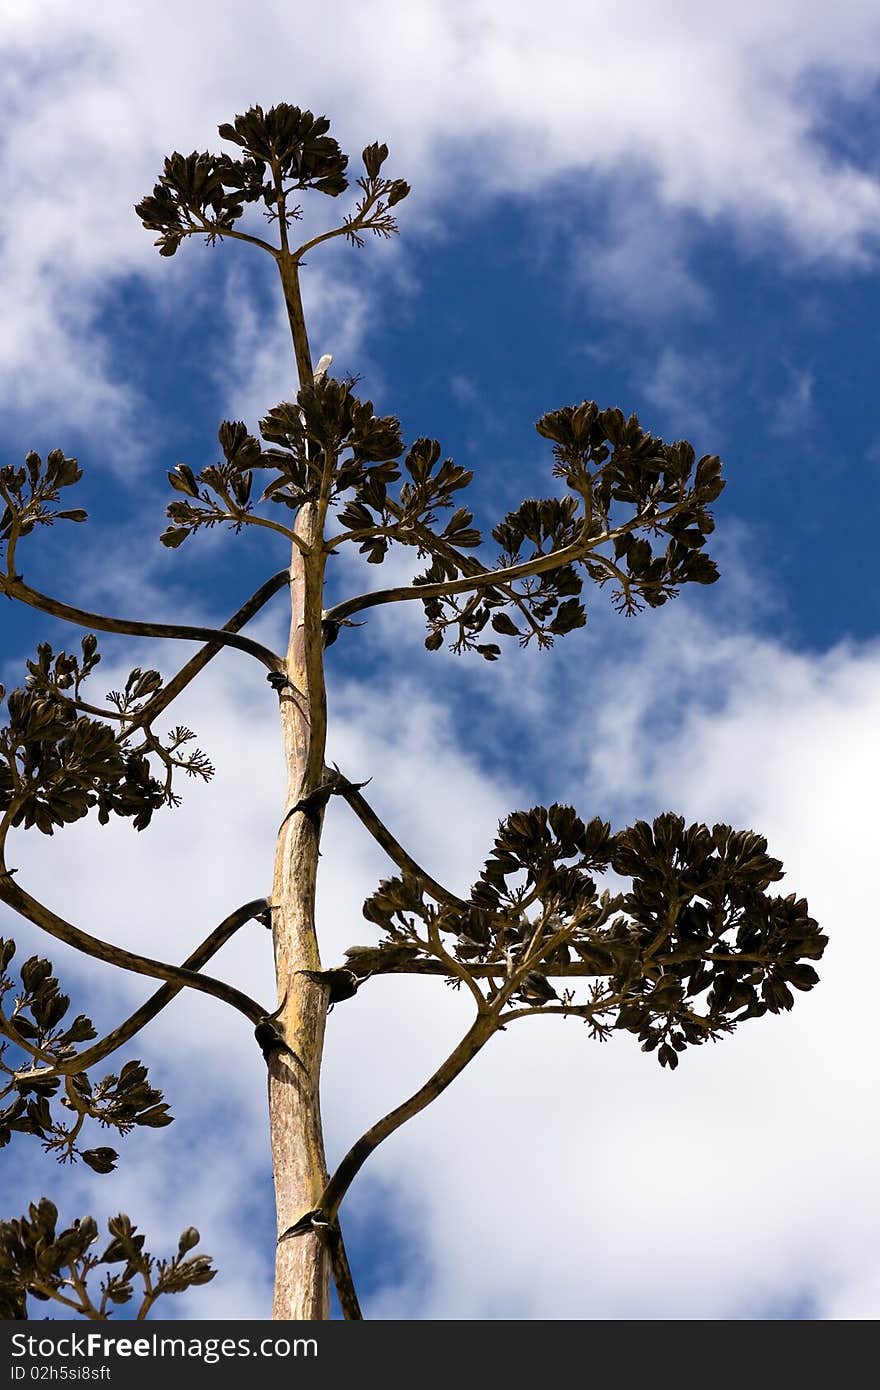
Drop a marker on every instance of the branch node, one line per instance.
(342, 983)
(271, 1040)
(313, 804)
(315, 1220)
(330, 626)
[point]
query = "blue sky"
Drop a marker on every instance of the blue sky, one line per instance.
(677, 215)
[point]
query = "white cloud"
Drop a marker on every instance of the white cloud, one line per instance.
(256, 369)
(557, 1177)
(683, 110)
(687, 388)
(566, 1179)
(747, 1177)
(636, 263)
(794, 410)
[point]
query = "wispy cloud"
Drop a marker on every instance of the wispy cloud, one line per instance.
(747, 1177)
(687, 389)
(735, 728)
(635, 258)
(256, 369)
(686, 114)
(794, 408)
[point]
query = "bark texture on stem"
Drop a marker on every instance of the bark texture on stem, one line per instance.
(302, 1267)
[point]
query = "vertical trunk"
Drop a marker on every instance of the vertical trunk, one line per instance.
(301, 1265)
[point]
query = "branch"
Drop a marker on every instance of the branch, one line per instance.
(243, 518)
(156, 1003)
(395, 851)
(22, 902)
(240, 516)
(486, 579)
(16, 588)
(102, 711)
(48, 1292)
(9, 1030)
(479, 1033)
(474, 1039)
(577, 1010)
(361, 533)
(456, 969)
(584, 1011)
(542, 948)
(14, 528)
(467, 564)
(281, 205)
(490, 579)
(212, 230)
(317, 241)
(420, 966)
(163, 698)
(356, 224)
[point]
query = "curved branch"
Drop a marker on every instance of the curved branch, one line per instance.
(41, 916)
(212, 229)
(567, 1010)
(16, 588)
(9, 1030)
(49, 1292)
(474, 1039)
(467, 564)
(457, 969)
(317, 241)
(102, 712)
(163, 698)
(360, 534)
(395, 851)
(584, 1011)
(240, 516)
(579, 549)
(14, 528)
(356, 224)
(487, 579)
(479, 1033)
(124, 1032)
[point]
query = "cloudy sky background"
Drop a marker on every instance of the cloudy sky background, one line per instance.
(672, 209)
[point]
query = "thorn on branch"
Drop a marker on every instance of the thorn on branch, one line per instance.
(315, 802)
(342, 983)
(318, 1222)
(270, 1040)
(330, 626)
(312, 1221)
